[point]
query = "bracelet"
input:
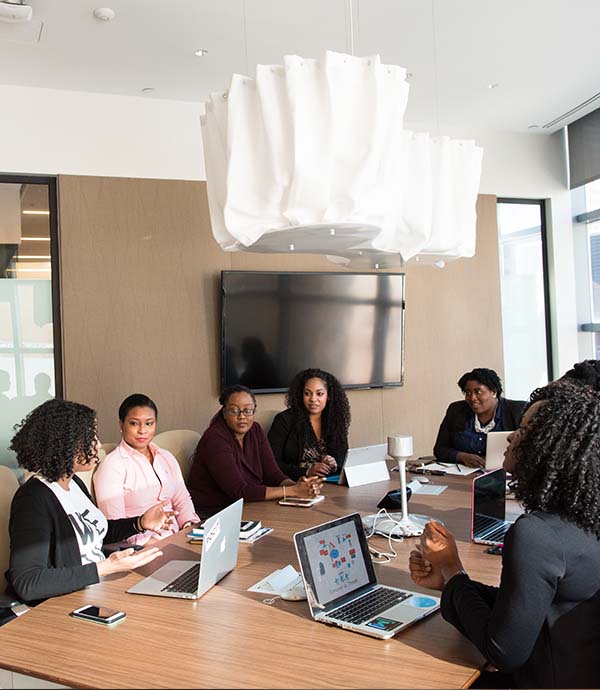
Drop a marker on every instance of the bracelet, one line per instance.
(138, 524)
(284, 492)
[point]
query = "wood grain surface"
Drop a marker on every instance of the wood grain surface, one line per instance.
(230, 638)
(140, 281)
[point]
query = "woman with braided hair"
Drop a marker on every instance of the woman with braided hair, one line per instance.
(311, 437)
(541, 625)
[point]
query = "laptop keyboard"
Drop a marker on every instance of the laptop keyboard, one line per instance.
(490, 529)
(186, 583)
(369, 606)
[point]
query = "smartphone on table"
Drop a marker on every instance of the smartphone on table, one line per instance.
(98, 614)
(301, 502)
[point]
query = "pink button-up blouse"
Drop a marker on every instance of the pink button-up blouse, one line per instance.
(126, 485)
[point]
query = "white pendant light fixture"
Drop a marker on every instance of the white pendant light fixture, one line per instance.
(15, 11)
(312, 157)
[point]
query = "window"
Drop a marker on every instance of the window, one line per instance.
(30, 370)
(524, 294)
(586, 201)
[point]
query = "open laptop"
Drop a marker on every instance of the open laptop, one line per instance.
(488, 515)
(189, 580)
(496, 445)
(363, 466)
(341, 586)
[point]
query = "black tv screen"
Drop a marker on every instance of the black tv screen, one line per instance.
(275, 324)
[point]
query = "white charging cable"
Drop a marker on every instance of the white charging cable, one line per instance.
(385, 557)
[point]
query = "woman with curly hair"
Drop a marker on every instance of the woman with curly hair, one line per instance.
(56, 531)
(311, 437)
(463, 432)
(541, 624)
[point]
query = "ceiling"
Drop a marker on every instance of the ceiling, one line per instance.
(542, 54)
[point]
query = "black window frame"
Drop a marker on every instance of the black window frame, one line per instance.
(541, 203)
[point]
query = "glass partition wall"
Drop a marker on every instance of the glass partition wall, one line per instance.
(30, 370)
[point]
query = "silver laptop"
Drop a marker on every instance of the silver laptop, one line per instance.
(341, 585)
(189, 580)
(488, 515)
(496, 445)
(363, 466)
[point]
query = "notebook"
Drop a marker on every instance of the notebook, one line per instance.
(219, 554)
(496, 445)
(488, 515)
(341, 585)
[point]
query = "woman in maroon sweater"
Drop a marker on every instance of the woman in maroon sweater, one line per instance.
(234, 460)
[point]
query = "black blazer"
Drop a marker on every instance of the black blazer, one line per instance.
(459, 413)
(44, 554)
(288, 450)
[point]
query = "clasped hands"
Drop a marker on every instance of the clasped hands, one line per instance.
(325, 466)
(309, 487)
(436, 558)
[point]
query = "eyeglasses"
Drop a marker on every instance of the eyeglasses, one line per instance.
(236, 412)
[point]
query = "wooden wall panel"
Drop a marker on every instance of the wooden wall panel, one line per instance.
(140, 301)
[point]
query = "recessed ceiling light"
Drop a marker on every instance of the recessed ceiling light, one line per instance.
(532, 126)
(493, 85)
(147, 89)
(201, 52)
(31, 212)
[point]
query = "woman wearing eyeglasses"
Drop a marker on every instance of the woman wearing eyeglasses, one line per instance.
(234, 460)
(463, 432)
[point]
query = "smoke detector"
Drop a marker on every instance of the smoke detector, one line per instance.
(104, 14)
(15, 11)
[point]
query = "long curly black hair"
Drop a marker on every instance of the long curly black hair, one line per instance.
(335, 419)
(558, 456)
(53, 436)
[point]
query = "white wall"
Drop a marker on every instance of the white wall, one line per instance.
(46, 131)
(66, 132)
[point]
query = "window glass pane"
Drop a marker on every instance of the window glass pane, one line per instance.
(592, 195)
(594, 236)
(26, 328)
(523, 300)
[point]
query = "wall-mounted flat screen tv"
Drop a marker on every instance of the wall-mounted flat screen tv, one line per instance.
(275, 324)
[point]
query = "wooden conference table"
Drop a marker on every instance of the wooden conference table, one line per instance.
(230, 638)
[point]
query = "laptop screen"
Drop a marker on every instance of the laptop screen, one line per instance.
(334, 558)
(489, 499)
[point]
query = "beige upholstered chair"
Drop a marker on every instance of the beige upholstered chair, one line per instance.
(8, 487)
(265, 418)
(182, 443)
(108, 447)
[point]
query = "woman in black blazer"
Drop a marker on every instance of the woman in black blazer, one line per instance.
(310, 438)
(56, 531)
(540, 626)
(463, 432)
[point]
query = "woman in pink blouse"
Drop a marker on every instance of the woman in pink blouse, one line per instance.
(138, 473)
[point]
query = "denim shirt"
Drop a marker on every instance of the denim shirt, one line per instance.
(471, 441)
